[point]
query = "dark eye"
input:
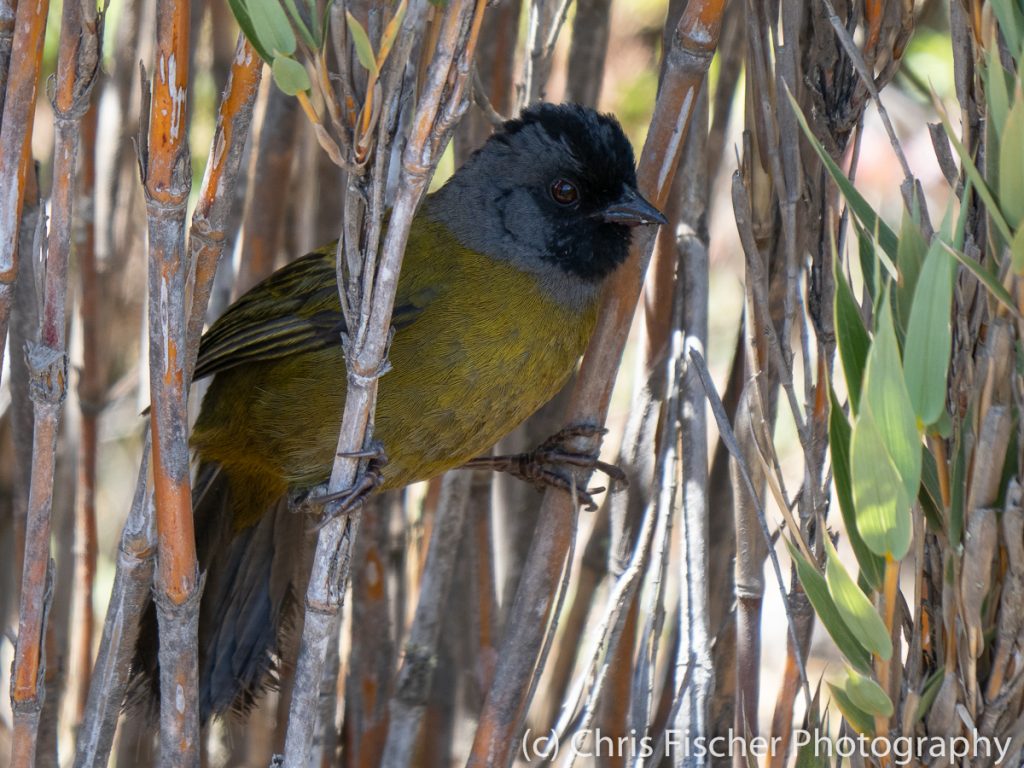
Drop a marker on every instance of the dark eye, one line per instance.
(564, 192)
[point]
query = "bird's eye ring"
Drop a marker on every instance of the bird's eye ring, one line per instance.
(564, 192)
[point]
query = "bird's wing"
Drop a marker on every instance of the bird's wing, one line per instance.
(293, 311)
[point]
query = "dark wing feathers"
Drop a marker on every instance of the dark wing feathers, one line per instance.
(295, 310)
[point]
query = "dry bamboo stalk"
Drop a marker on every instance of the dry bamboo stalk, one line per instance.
(217, 194)
(16, 143)
(694, 649)
(412, 689)
(693, 43)
(90, 399)
(546, 18)
(166, 175)
(371, 657)
(440, 106)
(271, 166)
(129, 596)
(134, 574)
(7, 14)
(78, 59)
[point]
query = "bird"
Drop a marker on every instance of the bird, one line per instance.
(497, 298)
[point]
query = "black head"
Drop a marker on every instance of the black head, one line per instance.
(556, 186)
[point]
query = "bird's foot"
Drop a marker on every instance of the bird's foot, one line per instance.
(327, 506)
(555, 462)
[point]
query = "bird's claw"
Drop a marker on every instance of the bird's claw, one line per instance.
(328, 506)
(551, 464)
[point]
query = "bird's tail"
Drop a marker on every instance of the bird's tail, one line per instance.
(254, 583)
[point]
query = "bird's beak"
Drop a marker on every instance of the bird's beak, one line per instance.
(632, 210)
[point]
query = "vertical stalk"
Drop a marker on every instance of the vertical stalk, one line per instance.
(48, 368)
(90, 399)
(694, 630)
(166, 174)
(686, 61)
(440, 105)
(16, 143)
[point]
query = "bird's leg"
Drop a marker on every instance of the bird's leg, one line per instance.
(330, 505)
(553, 463)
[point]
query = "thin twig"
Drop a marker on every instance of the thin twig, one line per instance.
(729, 438)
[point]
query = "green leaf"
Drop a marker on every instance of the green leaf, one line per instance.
(300, 24)
(1011, 165)
(885, 392)
(245, 23)
(290, 76)
(1010, 22)
(988, 279)
(967, 163)
(872, 567)
(856, 610)
(1017, 251)
(929, 337)
(861, 208)
(361, 41)
(816, 587)
(859, 720)
(271, 27)
(867, 695)
(997, 89)
(910, 257)
(879, 497)
(928, 693)
(885, 450)
(852, 338)
(866, 255)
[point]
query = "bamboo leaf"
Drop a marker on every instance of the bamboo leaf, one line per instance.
(998, 91)
(885, 392)
(241, 15)
(879, 497)
(859, 720)
(929, 337)
(1011, 23)
(872, 567)
(928, 693)
(816, 587)
(967, 163)
(860, 207)
(852, 338)
(300, 24)
(987, 278)
(1017, 251)
(290, 76)
(271, 27)
(867, 695)
(910, 258)
(856, 610)
(361, 41)
(1011, 165)
(387, 38)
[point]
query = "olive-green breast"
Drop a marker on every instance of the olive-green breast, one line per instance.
(484, 347)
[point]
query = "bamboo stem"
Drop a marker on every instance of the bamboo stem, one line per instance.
(687, 59)
(166, 176)
(22, 85)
